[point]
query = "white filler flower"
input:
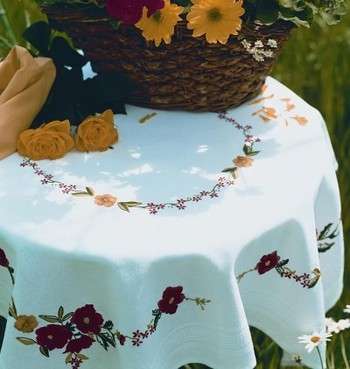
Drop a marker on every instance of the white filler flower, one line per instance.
(314, 340)
(347, 309)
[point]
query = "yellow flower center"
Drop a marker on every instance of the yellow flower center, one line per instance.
(315, 339)
(214, 15)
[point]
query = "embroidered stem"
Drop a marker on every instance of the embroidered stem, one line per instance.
(242, 275)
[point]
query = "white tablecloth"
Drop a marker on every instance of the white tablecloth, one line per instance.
(165, 283)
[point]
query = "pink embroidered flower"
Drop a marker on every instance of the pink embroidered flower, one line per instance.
(172, 297)
(130, 11)
(87, 320)
(81, 343)
(268, 262)
(3, 259)
(53, 336)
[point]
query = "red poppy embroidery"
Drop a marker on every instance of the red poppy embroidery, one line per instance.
(79, 344)
(53, 336)
(172, 297)
(268, 262)
(87, 320)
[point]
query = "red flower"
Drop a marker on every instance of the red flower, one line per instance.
(87, 319)
(3, 259)
(121, 339)
(76, 345)
(53, 336)
(130, 11)
(268, 262)
(172, 297)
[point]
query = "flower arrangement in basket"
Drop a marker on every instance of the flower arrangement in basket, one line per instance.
(203, 55)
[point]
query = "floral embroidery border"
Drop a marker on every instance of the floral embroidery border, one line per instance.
(79, 330)
(154, 208)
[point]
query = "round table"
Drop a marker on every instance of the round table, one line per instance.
(164, 250)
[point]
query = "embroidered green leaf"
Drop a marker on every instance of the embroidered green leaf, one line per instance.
(123, 206)
(44, 351)
(69, 358)
(283, 263)
(82, 357)
(229, 170)
(90, 191)
(147, 117)
(67, 316)
(80, 194)
(253, 153)
(325, 231)
(325, 246)
(60, 313)
(108, 325)
(132, 204)
(49, 318)
(249, 151)
(26, 341)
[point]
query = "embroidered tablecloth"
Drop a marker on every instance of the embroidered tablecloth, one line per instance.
(164, 250)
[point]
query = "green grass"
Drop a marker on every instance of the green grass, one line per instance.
(316, 65)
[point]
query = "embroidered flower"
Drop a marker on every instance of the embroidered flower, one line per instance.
(105, 200)
(53, 336)
(87, 320)
(130, 11)
(243, 161)
(216, 19)
(3, 259)
(121, 339)
(26, 323)
(268, 262)
(78, 344)
(50, 141)
(172, 297)
(161, 25)
(96, 133)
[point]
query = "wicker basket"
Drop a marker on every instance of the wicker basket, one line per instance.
(189, 74)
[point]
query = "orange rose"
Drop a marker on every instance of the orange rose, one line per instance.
(97, 133)
(243, 161)
(26, 323)
(105, 200)
(50, 141)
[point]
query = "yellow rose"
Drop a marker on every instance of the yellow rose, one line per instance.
(97, 133)
(50, 141)
(26, 323)
(243, 161)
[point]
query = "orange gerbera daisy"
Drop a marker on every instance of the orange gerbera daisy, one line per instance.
(217, 19)
(161, 25)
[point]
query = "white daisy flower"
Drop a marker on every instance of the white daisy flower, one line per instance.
(347, 309)
(314, 340)
(343, 324)
(331, 325)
